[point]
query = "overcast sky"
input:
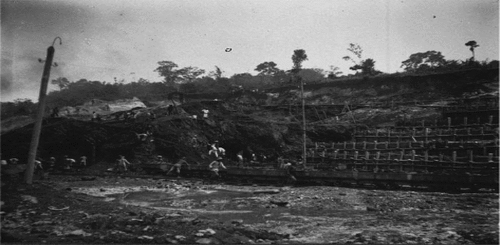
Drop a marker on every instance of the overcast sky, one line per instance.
(103, 39)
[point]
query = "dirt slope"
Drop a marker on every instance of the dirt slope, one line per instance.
(243, 122)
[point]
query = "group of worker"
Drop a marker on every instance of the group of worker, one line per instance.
(68, 163)
(43, 167)
(219, 152)
(216, 152)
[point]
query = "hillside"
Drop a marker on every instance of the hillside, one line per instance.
(262, 122)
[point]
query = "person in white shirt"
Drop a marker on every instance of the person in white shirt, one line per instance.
(205, 113)
(240, 159)
(214, 166)
(214, 149)
(68, 162)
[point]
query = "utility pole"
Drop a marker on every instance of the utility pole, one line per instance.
(41, 111)
(304, 149)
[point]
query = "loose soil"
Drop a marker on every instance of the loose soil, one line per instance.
(68, 209)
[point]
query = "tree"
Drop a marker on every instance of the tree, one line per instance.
(472, 44)
(61, 82)
(217, 74)
(267, 68)
(420, 62)
(366, 66)
(452, 65)
(356, 50)
(299, 56)
(142, 81)
(241, 76)
(188, 74)
(167, 69)
(334, 72)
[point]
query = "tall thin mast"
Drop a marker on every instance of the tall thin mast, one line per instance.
(304, 156)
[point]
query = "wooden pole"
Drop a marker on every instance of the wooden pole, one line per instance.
(304, 160)
(93, 154)
(426, 135)
(28, 177)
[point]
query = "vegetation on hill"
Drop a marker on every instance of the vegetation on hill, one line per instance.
(191, 80)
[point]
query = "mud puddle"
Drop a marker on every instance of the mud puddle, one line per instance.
(195, 195)
(225, 205)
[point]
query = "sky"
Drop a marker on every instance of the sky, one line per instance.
(125, 39)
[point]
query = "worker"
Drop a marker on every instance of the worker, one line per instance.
(214, 149)
(159, 159)
(38, 165)
(281, 162)
(55, 112)
(239, 156)
(290, 172)
(39, 171)
(13, 161)
(68, 162)
(142, 137)
(205, 113)
(82, 163)
(254, 158)
(52, 163)
(214, 166)
(221, 152)
(164, 165)
(122, 163)
(178, 165)
(94, 116)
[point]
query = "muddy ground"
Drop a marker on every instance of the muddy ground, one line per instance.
(71, 209)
